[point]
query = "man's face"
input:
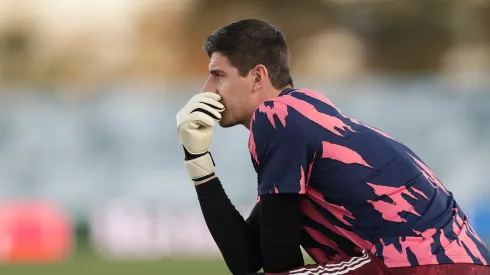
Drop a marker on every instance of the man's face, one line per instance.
(235, 90)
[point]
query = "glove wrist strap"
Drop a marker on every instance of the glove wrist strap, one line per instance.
(190, 156)
(200, 167)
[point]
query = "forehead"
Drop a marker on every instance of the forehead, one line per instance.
(219, 62)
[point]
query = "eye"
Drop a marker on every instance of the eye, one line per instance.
(217, 74)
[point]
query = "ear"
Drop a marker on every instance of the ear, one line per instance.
(260, 74)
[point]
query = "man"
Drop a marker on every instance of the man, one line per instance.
(342, 190)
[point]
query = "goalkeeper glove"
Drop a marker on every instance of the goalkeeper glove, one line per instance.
(195, 125)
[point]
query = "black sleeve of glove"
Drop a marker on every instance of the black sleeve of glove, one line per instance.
(236, 239)
(281, 232)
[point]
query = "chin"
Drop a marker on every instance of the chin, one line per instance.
(226, 124)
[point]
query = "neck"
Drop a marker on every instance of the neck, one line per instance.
(271, 93)
(266, 95)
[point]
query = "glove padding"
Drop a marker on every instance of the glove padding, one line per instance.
(195, 126)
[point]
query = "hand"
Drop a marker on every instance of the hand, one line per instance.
(195, 126)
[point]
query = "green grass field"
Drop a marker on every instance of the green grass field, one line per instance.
(96, 267)
(84, 262)
(88, 264)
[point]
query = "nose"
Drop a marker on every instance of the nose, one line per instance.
(209, 86)
(206, 89)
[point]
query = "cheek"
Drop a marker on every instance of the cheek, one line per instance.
(234, 92)
(226, 89)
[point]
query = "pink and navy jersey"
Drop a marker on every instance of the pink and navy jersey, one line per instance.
(362, 189)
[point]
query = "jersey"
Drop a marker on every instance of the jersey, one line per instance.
(361, 188)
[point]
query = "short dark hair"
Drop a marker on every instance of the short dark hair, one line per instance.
(248, 43)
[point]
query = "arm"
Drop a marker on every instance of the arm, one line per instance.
(236, 238)
(281, 232)
(284, 158)
(275, 220)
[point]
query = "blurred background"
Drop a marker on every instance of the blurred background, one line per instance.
(92, 179)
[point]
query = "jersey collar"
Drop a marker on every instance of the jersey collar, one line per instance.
(286, 91)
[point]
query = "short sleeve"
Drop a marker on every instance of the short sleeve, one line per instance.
(283, 153)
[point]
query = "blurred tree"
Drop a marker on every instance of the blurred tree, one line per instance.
(165, 43)
(402, 36)
(17, 51)
(160, 36)
(484, 19)
(297, 20)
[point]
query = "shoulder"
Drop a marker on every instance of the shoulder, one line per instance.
(277, 116)
(307, 101)
(275, 122)
(285, 106)
(271, 113)
(294, 96)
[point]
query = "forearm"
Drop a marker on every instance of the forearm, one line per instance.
(234, 237)
(236, 241)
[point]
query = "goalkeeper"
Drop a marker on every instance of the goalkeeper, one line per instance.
(356, 199)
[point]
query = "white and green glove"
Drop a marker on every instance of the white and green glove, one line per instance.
(195, 126)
